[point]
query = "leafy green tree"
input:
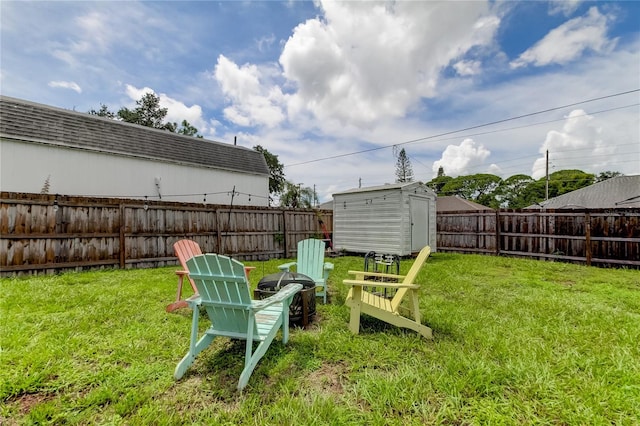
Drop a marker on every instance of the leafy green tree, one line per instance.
(147, 112)
(564, 181)
(276, 172)
(607, 175)
(479, 187)
(439, 182)
(404, 171)
(103, 112)
(511, 193)
(560, 182)
(184, 129)
(296, 196)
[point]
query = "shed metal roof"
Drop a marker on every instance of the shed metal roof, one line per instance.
(401, 186)
(36, 123)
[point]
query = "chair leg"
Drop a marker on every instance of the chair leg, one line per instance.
(178, 304)
(251, 359)
(195, 346)
(356, 304)
(322, 293)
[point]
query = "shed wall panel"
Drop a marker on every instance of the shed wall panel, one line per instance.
(378, 220)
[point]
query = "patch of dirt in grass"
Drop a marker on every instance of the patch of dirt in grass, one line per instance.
(26, 402)
(328, 379)
(193, 393)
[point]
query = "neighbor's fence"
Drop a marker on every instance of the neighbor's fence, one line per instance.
(47, 233)
(599, 237)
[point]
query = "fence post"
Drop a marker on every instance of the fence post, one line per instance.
(218, 232)
(498, 232)
(285, 233)
(587, 230)
(122, 237)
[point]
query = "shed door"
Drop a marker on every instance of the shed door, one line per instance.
(419, 223)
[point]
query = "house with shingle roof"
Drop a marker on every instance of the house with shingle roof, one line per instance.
(452, 203)
(71, 153)
(615, 193)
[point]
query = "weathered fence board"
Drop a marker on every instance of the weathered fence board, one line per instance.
(47, 233)
(594, 237)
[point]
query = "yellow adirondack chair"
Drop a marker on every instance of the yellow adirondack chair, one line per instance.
(223, 291)
(363, 301)
(311, 263)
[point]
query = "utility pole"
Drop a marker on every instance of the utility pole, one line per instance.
(546, 193)
(315, 196)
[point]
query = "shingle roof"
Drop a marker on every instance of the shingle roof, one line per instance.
(452, 203)
(617, 192)
(37, 123)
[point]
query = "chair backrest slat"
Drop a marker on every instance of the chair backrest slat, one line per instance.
(311, 258)
(185, 250)
(411, 276)
(223, 289)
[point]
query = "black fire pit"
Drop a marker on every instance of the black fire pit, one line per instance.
(303, 305)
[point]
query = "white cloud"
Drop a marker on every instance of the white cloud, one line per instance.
(569, 41)
(368, 61)
(66, 85)
(582, 136)
(467, 68)
(563, 7)
(461, 159)
(254, 101)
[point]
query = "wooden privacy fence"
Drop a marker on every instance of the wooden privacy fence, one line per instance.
(599, 237)
(47, 233)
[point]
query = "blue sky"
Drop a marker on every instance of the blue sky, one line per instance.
(331, 87)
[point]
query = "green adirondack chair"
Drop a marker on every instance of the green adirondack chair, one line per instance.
(224, 293)
(311, 263)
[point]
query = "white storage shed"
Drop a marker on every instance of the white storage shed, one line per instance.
(392, 219)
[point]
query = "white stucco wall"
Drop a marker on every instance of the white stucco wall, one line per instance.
(24, 167)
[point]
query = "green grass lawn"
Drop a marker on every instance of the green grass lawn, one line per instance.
(515, 342)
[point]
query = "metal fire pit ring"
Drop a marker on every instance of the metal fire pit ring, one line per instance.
(303, 305)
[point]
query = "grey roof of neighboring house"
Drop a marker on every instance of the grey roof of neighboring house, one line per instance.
(617, 192)
(327, 205)
(36, 123)
(453, 203)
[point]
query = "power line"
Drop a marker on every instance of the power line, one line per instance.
(473, 127)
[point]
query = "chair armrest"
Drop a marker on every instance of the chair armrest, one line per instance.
(286, 266)
(285, 292)
(376, 274)
(182, 273)
(194, 301)
(328, 266)
(379, 284)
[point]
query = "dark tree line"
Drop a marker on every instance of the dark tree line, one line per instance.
(516, 192)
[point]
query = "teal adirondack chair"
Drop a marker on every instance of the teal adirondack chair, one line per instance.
(311, 263)
(224, 293)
